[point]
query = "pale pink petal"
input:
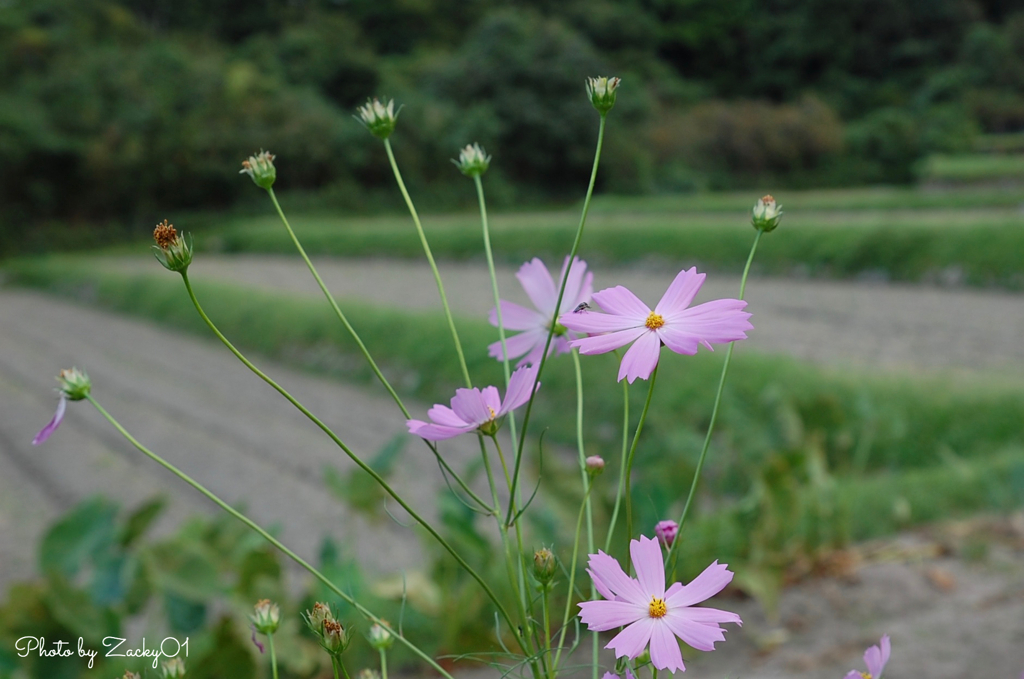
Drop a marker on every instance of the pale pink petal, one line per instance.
(436, 432)
(586, 292)
(641, 358)
(633, 640)
(886, 651)
(610, 572)
(722, 320)
(698, 635)
(710, 582)
(853, 674)
(599, 585)
(536, 281)
(681, 292)
(516, 317)
(665, 653)
(678, 340)
(594, 322)
(600, 616)
(705, 615)
(574, 285)
(650, 569)
(876, 657)
(52, 425)
(518, 345)
(469, 405)
(492, 399)
(602, 344)
(621, 302)
(537, 352)
(444, 416)
(561, 343)
(520, 387)
(673, 589)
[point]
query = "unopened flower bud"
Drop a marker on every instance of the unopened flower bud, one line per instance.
(335, 637)
(595, 465)
(316, 617)
(602, 92)
(766, 214)
(267, 617)
(380, 638)
(379, 119)
(367, 673)
(666, 532)
(544, 565)
(75, 385)
(171, 249)
(260, 168)
(473, 161)
(173, 669)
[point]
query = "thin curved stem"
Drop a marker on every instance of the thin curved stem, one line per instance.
(273, 655)
(714, 413)
(430, 259)
(266, 536)
(383, 664)
(348, 451)
(629, 465)
(595, 643)
(558, 305)
(572, 580)
(622, 464)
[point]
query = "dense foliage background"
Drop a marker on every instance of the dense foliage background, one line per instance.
(111, 109)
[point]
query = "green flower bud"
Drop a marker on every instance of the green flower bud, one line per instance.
(379, 119)
(74, 384)
(267, 617)
(171, 250)
(335, 638)
(380, 638)
(318, 616)
(173, 669)
(544, 565)
(595, 465)
(260, 168)
(602, 92)
(766, 214)
(472, 161)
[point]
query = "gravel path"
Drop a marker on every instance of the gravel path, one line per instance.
(859, 324)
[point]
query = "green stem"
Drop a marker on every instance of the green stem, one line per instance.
(558, 305)
(355, 458)
(546, 612)
(497, 298)
(344, 671)
(337, 310)
(273, 655)
(383, 664)
(430, 259)
(622, 464)
(265, 535)
(572, 580)
(334, 666)
(595, 642)
(714, 413)
(629, 466)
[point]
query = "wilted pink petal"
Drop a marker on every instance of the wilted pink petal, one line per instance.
(51, 427)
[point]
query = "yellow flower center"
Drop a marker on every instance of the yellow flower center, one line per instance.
(493, 414)
(654, 321)
(657, 608)
(866, 675)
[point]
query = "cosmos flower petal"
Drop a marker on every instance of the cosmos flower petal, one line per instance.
(445, 416)
(492, 399)
(615, 579)
(853, 674)
(665, 653)
(633, 640)
(618, 301)
(469, 405)
(705, 615)
(604, 343)
(601, 616)
(678, 340)
(516, 317)
(641, 358)
(698, 635)
(599, 585)
(525, 343)
(681, 292)
(720, 321)
(710, 582)
(540, 288)
(573, 285)
(877, 656)
(52, 425)
(650, 570)
(886, 651)
(593, 322)
(436, 432)
(520, 387)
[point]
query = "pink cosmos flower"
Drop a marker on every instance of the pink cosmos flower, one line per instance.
(51, 427)
(535, 323)
(672, 323)
(653, 615)
(474, 409)
(875, 658)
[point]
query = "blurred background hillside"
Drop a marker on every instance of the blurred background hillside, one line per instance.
(114, 110)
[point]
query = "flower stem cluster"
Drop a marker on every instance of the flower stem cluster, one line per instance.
(379, 119)
(601, 91)
(473, 161)
(266, 617)
(260, 168)
(331, 634)
(766, 214)
(171, 249)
